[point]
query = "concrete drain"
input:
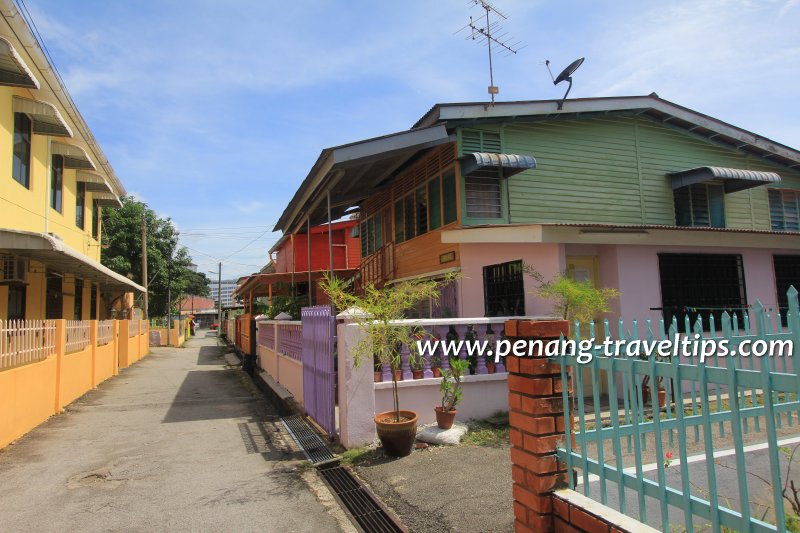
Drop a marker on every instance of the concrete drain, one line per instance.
(361, 506)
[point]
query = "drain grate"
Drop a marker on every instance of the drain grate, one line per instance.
(314, 447)
(364, 509)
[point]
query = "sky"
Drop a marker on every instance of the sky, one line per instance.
(213, 112)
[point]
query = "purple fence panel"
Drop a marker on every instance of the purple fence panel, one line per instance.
(291, 340)
(266, 335)
(319, 396)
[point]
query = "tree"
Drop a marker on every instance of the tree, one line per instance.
(122, 238)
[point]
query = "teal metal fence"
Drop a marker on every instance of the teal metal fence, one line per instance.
(623, 432)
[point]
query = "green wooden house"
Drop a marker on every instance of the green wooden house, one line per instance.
(680, 211)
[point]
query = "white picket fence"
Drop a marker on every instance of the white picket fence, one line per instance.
(133, 328)
(78, 333)
(105, 332)
(25, 341)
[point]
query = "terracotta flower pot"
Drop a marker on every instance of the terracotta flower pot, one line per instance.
(398, 375)
(437, 372)
(491, 367)
(445, 419)
(662, 398)
(645, 394)
(417, 374)
(397, 438)
(377, 376)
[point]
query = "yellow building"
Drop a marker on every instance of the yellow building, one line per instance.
(54, 183)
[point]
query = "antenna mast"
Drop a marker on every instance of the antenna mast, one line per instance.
(488, 35)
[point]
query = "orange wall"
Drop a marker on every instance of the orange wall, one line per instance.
(75, 376)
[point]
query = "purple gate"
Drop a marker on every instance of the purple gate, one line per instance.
(319, 341)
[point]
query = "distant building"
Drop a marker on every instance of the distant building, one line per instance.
(228, 286)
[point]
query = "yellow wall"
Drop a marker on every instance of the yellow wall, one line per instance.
(29, 209)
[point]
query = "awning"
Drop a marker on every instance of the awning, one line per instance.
(46, 118)
(13, 70)
(74, 156)
(488, 165)
(94, 182)
(106, 199)
(733, 179)
(55, 254)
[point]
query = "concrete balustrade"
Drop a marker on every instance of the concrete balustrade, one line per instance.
(279, 345)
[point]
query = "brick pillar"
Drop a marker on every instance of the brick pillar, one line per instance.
(536, 416)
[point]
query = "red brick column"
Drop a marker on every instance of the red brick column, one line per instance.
(536, 416)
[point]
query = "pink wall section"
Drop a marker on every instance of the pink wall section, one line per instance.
(636, 268)
(633, 269)
(547, 258)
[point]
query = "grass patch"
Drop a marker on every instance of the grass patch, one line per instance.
(356, 455)
(492, 431)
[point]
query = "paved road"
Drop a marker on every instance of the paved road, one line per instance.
(178, 442)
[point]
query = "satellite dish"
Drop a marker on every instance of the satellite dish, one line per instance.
(566, 75)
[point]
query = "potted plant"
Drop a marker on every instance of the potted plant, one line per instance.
(377, 373)
(450, 387)
(380, 310)
(436, 365)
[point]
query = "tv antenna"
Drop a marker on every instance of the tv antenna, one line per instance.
(488, 34)
(566, 75)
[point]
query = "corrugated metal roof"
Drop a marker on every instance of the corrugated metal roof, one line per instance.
(734, 179)
(13, 70)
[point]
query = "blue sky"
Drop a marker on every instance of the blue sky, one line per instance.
(214, 111)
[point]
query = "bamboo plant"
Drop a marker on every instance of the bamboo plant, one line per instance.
(378, 308)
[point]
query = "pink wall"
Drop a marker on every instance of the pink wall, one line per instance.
(547, 258)
(633, 269)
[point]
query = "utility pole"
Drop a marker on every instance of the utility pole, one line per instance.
(219, 298)
(144, 264)
(169, 294)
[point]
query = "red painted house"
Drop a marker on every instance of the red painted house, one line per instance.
(290, 257)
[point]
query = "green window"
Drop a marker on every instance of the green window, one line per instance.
(399, 225)
(784, 210)
(21, 160)
(80, 204)
(700, 205)
(422, 210)
(450, 209)
(408, 212)
(57, 183)
(434, 203)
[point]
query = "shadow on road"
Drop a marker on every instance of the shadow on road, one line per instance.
(210, 395)
(210, 355)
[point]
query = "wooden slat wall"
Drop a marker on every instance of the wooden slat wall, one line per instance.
(613, 170)
(419, 255)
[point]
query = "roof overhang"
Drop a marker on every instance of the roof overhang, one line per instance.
(45, 117)
(644, 235)
(733, 179)
(74, 156)
(258, 284)
(13, 70)
(352, 172)
(93, 182)
(106, 199)
(650, 106)
(55, 254)
(481, 164)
